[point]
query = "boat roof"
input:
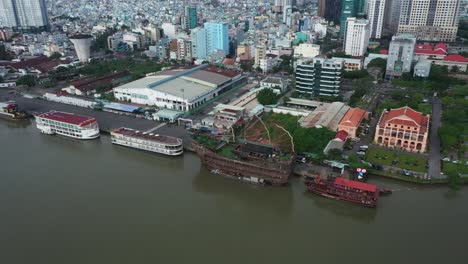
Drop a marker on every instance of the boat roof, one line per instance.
(69, 118)
(355, 184)
(148, 136)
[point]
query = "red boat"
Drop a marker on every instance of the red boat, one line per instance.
(340, 188)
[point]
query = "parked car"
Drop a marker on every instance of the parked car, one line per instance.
(361, 153)
(406, 172)
(364, 147)
(446, 159)
(356, 139)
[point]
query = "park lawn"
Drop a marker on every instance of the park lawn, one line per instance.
(449, 167)
(404, 161)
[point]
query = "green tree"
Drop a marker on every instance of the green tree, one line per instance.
(4, 55)
(355, 74)
(267, 97)
(378, 63)
(28, 80)
(455, 69)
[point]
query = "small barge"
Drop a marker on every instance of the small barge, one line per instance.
(155, 143)
(67, 124)
(339, 188)
(9, 110)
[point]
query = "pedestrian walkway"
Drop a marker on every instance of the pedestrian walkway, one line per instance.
(156, 128)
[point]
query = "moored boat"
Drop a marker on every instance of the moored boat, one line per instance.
(67, 124)
(339, 188)
(9, 110)
(151, 142)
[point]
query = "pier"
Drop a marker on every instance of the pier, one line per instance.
(107, 121)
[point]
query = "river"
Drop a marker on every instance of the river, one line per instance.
(65, 201)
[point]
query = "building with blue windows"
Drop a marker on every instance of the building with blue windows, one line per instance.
(217, 37)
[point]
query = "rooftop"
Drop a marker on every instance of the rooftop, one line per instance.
(148, 136)
(438, 49)
(69, 118)
(353, 117)
(456, 58)
(405, 116)
(81, 36)
(355, 184)
(188, 83)
(271, 79)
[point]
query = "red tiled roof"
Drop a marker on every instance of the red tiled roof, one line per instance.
(353, 117)
(456, 58)
(91, 84)
(438, 49)
(227, 73)
(68, 118)
(42, 64)
(355, 184)
(343, 135)
(404, 116)
(383, 51)
(229, 61)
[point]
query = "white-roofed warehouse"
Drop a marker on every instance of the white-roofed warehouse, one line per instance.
(179, 89)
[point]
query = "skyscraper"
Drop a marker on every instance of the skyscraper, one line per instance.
(392, 16)
(23, 13)
(350, 8)
(199, 47)
(430, 20)
(330, 10)
(217, 37)
(375, 14)
(357, 35)
(191, 16)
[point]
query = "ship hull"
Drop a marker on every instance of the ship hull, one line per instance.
(338, 194)
(12, 117)
(340, 198)
(263, 173)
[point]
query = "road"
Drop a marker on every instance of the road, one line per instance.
(434, 154)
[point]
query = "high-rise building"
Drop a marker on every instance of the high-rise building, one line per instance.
(392, 16)
(198, 39)
(400, 55)
(191, 17)
(217, 37)
(330, 10)
(430, 20)
(375, 14)
(357, 35)
(287, 15)
(23, 13)
(260, 53)
(350, 8)
(319, 76)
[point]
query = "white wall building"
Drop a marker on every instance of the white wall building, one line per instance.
(430, 20)
(357, 35)
(269, 62)
(400, 55)
(375, 14)
(180, 89)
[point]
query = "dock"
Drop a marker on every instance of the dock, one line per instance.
(107, 121)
